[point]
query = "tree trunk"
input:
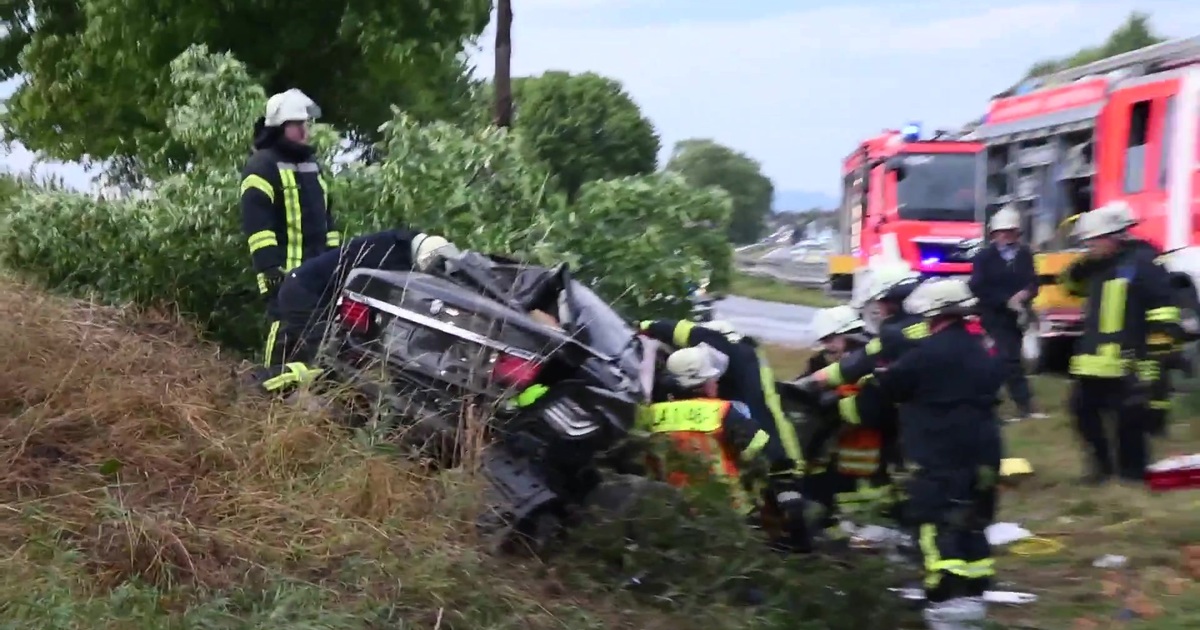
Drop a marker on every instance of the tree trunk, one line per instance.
(503, 78)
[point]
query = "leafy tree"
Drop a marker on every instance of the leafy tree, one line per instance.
(1133, 34)
(639, 240)
(97, 80)
(705, 163)
(585, 127)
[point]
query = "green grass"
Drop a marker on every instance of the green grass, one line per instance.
(1154, 531)
(771, 290)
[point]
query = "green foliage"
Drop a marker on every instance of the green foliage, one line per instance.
(585, 127)
(706, 163)
(645, 238)
(1133, 34)
(682, 554)
(97, 71)
(180, 245)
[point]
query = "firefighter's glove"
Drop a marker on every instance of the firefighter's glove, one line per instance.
(269, 281)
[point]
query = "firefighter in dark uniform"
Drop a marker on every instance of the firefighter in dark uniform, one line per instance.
(898, 332)
(750, 380)
(701, 422)
(846, 472)
(1131, 326)
(948, 390)
(307, 291)
(286, 215)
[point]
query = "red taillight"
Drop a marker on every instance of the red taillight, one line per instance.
(515, 371)
(354, 316)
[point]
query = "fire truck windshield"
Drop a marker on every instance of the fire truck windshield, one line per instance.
(935, 186)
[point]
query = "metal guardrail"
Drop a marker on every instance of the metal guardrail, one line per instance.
(807, 269)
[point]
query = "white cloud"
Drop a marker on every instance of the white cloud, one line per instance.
(797, 90)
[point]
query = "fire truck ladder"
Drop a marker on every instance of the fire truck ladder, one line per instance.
(1139, 62)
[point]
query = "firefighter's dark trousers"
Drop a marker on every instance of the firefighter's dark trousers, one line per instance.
(1093, 400)
(1008, 340)
(949, 509)
(297, 328)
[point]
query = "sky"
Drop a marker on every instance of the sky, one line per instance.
(797, 83)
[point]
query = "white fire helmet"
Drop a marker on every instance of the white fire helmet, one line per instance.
(837, 320)
(1007, 218)
(1110, 218)
(940, 296)
(290, 106)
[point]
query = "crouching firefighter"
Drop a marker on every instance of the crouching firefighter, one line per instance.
(1131, 327)
(307, 292)
(725, 437)
(852, 476)
(748, 379)
(287, 216)
(947, 389)
(897, 332)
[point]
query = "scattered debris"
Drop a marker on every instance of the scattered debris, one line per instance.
(1110, 561)
(1004, 533)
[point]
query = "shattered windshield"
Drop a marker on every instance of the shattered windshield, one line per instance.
(936, 187)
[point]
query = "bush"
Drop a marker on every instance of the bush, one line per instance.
(180, 244)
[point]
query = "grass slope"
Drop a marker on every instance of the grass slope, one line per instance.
(138, 491)
(761, 288)
(1158, 533)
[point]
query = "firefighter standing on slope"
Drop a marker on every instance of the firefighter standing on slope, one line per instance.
(947, 388)
(1005, 282)
(701, 422)
(286, 215)
(748, 379)
(1131, 327)
(853, 476)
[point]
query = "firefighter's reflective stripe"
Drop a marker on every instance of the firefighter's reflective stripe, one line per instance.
(333, 238)
(858, 452)
(256, 182)
(683, 330)
(874, 346)
(292, 216)
(865, 496)
(262, 282)
(787, 430)
(272, 338)
(935, 564)
(531, 395)
(847, 403)
(261, 239)
(1163, 315)
(919, 330)
(694, 427)
(1107, 361)
(293, 374)
(848, 410)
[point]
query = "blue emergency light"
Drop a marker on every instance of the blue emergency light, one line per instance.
(911, 132)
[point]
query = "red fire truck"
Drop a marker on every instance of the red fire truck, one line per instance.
(1124, 128)
(905, 198)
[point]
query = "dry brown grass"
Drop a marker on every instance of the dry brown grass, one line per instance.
(137, 488)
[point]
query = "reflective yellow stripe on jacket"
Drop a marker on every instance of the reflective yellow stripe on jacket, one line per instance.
(293, 217)
(1107, 361)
